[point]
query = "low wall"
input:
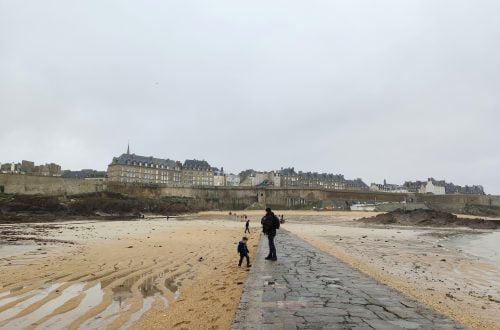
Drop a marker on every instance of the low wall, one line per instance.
(45, 185)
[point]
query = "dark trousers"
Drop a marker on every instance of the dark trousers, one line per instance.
(247, 230)
(241, 259)
(272, 247)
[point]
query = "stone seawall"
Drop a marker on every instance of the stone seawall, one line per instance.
(244, 197)
(44, 185)
(225, 198)
(468, 204)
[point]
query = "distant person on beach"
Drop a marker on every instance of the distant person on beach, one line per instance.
(282, 219)
(243, 251)
(270, 223)
(247, 227)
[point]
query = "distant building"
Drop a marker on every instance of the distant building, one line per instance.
(132, 168)
(28, 167)
(388, 187)
(232, 180)
(11, 168)
(197, 173)
(433, 187)
(466, 190)
(252, 178)
(219, 177)
(356, 184)
(413, 186)
(84, 174)
(290, 178)
(51, 169)
(449, 188)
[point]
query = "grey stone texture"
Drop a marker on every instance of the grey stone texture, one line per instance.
(309, 289)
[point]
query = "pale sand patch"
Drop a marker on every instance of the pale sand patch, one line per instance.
(136, 264)
(410, 260)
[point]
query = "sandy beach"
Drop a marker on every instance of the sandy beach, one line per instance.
(182, 273)
(152, 273)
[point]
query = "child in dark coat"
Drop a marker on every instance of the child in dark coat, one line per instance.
(243, 251)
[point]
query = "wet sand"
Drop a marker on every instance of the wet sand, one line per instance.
(153, 274)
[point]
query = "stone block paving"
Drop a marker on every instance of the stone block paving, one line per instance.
(309, 289)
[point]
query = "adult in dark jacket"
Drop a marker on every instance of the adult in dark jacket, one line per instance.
(270, 223)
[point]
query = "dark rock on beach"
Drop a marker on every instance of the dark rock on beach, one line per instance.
(429, 218)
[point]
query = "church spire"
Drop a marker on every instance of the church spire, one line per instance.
(128, 148)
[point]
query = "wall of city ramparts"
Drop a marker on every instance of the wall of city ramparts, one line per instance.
(45, 185)
(461, 203)
(244, 197)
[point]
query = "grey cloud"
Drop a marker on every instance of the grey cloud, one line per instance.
(373, 89)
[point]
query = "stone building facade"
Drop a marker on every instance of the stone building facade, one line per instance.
(252, 178)
(356, 184)
(197, 173)
(28, 167)
(290, 178)
(132, 168)
(433, 187)
(219, 177)
(441, 187)
(388, 187)
(232, 180)
(84, 174)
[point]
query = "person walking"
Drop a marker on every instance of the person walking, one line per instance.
(243, 251)
(270, 223)
(247, 226)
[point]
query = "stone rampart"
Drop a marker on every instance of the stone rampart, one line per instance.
(244, 197)
(480, 204)
(45, 185)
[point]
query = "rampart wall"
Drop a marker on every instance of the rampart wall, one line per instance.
(245, 197)
(45, 185)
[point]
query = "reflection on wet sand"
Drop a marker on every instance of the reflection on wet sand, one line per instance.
(44, 317)
(122, 274)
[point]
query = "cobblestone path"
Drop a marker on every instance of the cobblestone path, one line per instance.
(309, 289)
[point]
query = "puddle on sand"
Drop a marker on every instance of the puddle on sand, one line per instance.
(148, 287)
(12, 248)
(93, 297)
(39, 294)
(7, 300)
(120, 294)
(101, 320)
(146, 305)
(44, 310)
(171, 285)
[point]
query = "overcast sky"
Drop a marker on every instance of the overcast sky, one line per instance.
(400, 90)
